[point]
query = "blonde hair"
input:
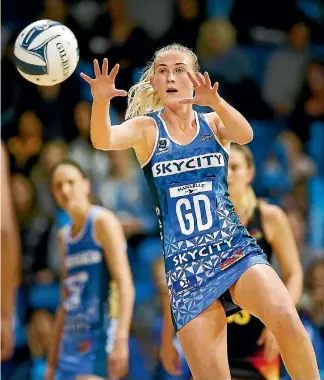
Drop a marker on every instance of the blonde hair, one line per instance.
(249, 200)
(214, 28)
(141, 97)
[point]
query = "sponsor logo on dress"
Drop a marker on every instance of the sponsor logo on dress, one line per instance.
(189, 256)
(78, 277)
(184, 284)
(207, 137)
(163, 145)
(71, 326)
(83, 258)
(192, 188)
(231, 260)
(204, 161)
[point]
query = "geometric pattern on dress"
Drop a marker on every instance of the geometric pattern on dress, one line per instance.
(185, 306)
(227, 228)
(188, 303)
(170, 245)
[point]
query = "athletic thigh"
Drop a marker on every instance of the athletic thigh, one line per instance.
(204, 343)
(261, 292)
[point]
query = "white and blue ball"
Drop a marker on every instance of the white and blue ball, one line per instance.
(46, 53)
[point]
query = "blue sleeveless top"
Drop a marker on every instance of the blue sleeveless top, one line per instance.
(87, 285)
(200, 232)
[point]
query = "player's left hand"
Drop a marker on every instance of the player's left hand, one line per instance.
(270, 346)
(118, 360)
(205, 93)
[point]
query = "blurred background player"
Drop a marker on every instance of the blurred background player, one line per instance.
(93, 254)
(258, 357)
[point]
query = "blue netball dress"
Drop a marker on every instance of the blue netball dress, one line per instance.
(88, 331)
(205, 247)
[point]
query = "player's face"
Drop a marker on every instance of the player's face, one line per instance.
(170, 79)
(70, 189)
(239, 174)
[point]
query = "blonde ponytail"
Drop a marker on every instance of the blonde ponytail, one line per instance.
(249, 200)
(248, 203)
(141, 97)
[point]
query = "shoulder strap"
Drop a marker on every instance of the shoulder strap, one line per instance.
(95, 210)
(162, 132)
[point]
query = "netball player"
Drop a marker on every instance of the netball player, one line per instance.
(10, 256)
(207, 250)
(252, 349)
(93, 253)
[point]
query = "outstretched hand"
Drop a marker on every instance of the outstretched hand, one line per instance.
(205, 93)
(103, 85)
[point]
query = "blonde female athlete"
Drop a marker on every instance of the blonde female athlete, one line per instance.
(94, 253)
(252, 349)
(207, 251)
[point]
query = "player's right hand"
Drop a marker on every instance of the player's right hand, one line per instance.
(170, 359)
(103, 85)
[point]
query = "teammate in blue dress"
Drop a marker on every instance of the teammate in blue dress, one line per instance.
(207, 251)
(88, 329)
(256, 356)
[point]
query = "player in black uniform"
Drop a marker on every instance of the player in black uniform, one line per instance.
(252, 350)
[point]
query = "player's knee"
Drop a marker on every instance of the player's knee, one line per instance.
(284, 318)
(287, 325)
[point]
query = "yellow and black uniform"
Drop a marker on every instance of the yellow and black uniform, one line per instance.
(243, 330)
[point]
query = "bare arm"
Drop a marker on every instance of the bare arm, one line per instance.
(10, 260)
(10, 244)
(168, 330)
(110, 235)
(105, 136)
(169, 355)
(282, 241)
(234, 126)
(52, 356)
(129, 134)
